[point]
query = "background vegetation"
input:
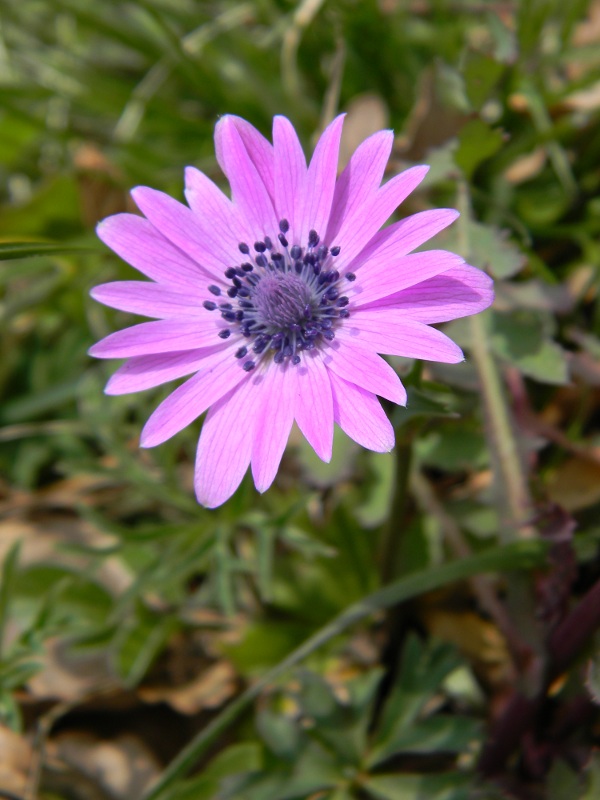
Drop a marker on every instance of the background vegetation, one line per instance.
(418, 625)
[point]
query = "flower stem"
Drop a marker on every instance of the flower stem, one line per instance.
(511, 476)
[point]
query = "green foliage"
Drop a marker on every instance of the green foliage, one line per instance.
(327, 742)
(115, 556)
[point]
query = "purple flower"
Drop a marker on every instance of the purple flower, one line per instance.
(278, 301)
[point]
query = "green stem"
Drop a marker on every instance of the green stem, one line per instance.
(517, 555)
(502, 441)
(390, 566)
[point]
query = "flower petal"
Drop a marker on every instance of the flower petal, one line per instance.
(321, 177)
(392, 333)
(361, 225)
(146, 372)
(184, 229)
(360, 415)
(162, 336)
(359, 182)
(274, 417)
(459, 292)
(247, 187)
(290, 175)
(209, 203)
(139, 243)
(191, 399)
(225, 445)
(314, 404)
(259, 149)
(384, 276)
(151, 299)
(402, 237)
(355, 364)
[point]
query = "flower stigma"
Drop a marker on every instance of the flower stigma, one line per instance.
(284, 302)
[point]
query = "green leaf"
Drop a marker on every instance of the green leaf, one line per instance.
(442, 733)
(12, 250)
(427, 401)
(491, 249)
(7, 584)
(243, 757)
(422, 671)
(280, 733)
(481, 74)
(448, 786)
(138, 642)
(453, 446)
(476, 142)
(522, 339)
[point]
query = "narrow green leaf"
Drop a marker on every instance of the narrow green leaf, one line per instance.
(12, 250)
(9, 569)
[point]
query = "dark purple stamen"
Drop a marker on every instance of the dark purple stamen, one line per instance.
(285, 302)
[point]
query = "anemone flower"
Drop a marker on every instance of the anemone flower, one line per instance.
(279, 301)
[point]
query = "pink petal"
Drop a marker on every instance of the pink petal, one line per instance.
(359, 182)
(151, 299)
(366, 219)
(146, 372)
(402, 237)
(355, 364)
(389, 331)
(384, 276)
(139, 243)
(191, 399)
(259, 149)
(314, 404)
(162, 336)
(184, 229)
(274, 412)
(360, 415)
(459, 292)
(290, 176)
(322, 173)
(248, 189)
(209, 203)
(225, 444)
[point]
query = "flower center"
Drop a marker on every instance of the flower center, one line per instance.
(280, 299)
(283, 302)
